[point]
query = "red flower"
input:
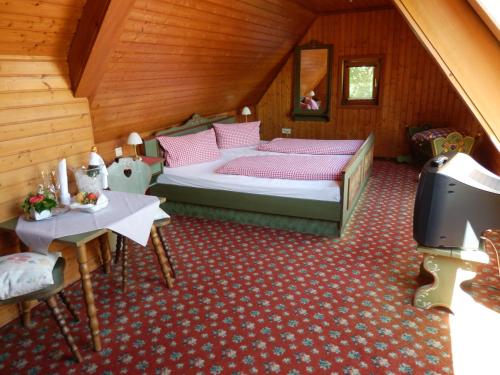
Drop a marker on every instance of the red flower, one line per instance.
(36, 198)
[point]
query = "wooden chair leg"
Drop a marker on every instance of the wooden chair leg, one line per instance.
(167, 251)
(105, 253)
(125, 265)
(70, 307)
(119, 247)
(160, 254)
(88, 293)
(52, 303)
(26, 314)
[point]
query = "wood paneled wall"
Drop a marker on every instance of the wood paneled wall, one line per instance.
(176, 58)
(413, 88)
(40, 123)
(467, 51)
(41, 28)
(40, 120)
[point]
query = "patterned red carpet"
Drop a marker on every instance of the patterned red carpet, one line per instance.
(256, 300)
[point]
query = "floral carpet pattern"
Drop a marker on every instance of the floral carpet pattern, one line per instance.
(250, 300)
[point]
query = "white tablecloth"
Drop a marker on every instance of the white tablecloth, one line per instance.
(128, 214)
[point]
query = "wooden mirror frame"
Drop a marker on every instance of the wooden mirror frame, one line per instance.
(299, 114)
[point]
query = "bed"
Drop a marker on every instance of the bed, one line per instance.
(326, 212)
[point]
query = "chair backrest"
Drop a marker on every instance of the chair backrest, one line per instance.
(129, 176)
(453, 142)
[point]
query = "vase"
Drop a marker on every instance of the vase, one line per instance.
(45, 214)
(89, 180)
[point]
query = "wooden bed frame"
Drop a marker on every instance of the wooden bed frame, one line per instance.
(302, 215)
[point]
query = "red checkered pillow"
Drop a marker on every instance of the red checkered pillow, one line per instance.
(190, 149)
(237, 135)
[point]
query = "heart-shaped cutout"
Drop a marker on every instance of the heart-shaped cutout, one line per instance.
(127, 172)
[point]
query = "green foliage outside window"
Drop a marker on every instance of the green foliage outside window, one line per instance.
(361, 82)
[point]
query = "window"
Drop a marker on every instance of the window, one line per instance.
(360, 81)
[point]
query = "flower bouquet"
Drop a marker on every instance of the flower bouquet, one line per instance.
(39, 206)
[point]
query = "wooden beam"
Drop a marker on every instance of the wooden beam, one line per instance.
(466, 51)
(487, 18)
(98, 31)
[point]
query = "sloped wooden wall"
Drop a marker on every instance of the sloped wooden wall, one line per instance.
(413, 88)
(176, 58)
(40, 120)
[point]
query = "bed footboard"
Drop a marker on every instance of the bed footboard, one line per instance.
(354, 178)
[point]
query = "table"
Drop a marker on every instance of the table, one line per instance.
(449, 268)
(79, 241)
(132, 215)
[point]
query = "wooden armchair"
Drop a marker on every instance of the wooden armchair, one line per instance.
(452, 142)
(133, 176)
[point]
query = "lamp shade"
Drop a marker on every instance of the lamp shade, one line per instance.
(310, 94)
(246, 111)
(134, 139)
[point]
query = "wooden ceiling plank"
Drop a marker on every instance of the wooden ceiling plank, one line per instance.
(99, 30)
(222, 10)
(189, 24)
(33, 23)
(40, 9)
(199, 17)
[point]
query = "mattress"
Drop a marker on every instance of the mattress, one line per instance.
(203, 175)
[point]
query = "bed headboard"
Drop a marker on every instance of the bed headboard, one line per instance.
(194, 125)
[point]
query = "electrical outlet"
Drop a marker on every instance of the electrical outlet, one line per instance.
(286, 131)
(118, 152)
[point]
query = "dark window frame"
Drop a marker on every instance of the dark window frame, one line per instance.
(352, 62)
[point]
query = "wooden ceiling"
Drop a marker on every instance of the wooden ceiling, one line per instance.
(43, 28)
(338, 6)
(175, 58)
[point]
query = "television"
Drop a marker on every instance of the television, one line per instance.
(457, 200)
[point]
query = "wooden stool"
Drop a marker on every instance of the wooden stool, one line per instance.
(48, 294)
(449, 268)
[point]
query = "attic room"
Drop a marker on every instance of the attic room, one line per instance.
(256, 186)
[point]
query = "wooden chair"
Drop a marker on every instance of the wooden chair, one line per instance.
(48, 294)
(133, 176)
(452, 142)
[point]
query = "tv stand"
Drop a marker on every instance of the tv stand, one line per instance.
(449, 269)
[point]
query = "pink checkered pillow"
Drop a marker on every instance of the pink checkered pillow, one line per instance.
(237, 135)
(190, 149)
(312, 146)
(288, 167)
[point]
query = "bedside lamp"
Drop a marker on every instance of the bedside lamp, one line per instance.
(245, 112)
(134, 139)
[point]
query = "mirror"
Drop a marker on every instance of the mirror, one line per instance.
(312, 82)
